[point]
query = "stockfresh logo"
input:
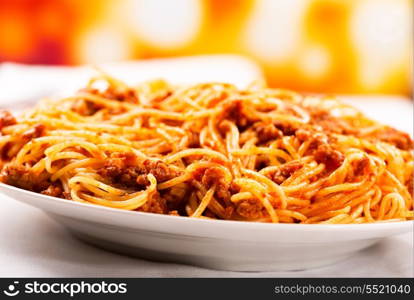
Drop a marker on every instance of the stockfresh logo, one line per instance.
(12, 290)
(65, 288)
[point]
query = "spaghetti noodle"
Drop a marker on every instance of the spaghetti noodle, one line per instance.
(211, 151)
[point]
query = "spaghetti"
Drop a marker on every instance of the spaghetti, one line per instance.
(211, 151)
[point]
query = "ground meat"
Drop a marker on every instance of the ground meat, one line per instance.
(22, 177)
(233, 111)
(250, 209)
(89, 108)
(395, 137)
(128, 95)
(155, 204)
(176, 196)
(174, 213)
(316, 138)
(234, 188)
(119, 169)
(331, 158)
(6, 119)
(193, 140)
(331, 123)
(214, 176)
(267, 132)
(286, 128)
(361, 167)
(131, 171)
(285, 171)
(160, 170)
(33, 132)
(303, 134)
(36, 131)
(4, 152)
(121, 95)
(159, 98)
(54, 190)
(228, 212)
(86, 108)
(128, 170)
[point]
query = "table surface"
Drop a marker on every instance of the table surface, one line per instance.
(33, 245)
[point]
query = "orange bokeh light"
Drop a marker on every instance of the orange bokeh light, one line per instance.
(314, 45)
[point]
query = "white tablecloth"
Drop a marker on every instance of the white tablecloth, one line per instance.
(32, 244)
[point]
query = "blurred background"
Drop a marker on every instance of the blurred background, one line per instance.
(340, 46)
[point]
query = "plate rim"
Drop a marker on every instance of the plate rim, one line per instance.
(377, 226)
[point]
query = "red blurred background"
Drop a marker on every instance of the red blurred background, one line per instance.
(343, 46)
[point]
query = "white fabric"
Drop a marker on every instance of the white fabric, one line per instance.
(34, 245)
(31, 244)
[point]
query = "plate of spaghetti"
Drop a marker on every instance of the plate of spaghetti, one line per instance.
(210, 174)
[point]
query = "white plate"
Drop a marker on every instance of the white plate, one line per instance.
(225, 245)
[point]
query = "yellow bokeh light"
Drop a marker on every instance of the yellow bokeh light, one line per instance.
(379, 29)
(273, 32)
(315, 62)
(103, 44)
(15, 38)
(164, 24)
(333, 46)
